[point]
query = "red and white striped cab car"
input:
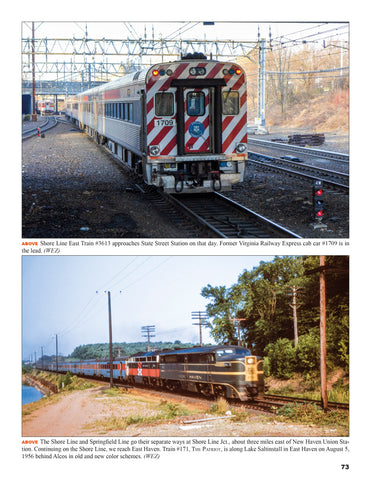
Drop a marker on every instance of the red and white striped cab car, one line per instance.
(181, 124)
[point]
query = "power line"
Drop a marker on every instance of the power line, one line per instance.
(83, 317)
(270, 72)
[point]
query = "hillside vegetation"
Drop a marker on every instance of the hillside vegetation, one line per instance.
(327, 113)
(306, 87)
(120, 349)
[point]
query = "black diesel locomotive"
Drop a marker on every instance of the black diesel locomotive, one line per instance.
(220, 370)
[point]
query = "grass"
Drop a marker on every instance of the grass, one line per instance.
(311, 389)
(222, 407)
(309, 413)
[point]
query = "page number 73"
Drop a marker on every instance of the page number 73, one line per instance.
(345, 466)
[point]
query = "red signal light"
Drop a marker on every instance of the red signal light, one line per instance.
(155, 73)
(318, 202)
(238, 71)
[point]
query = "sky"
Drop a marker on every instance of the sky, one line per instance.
(219, 30)
(67, 296)
(313, 32)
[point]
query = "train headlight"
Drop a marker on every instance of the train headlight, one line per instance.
(241, 148)
(250, 360)
(154, 150)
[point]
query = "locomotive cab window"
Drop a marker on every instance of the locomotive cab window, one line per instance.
(164, 104)
(224, 352)
(230, 103)
(195, 104)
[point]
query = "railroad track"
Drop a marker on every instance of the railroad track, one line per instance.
(209, 215)
(290, 149)
(330, 178)
(227, 219)
(280, 400)
(49, 123)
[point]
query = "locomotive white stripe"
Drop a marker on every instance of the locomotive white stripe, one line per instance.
(165, 141)
(234, 122)
(227, 130)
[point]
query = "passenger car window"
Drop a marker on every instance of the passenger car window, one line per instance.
(230, 103)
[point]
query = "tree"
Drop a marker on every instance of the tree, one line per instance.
(221, 308)
(278, 81)
(266, 306)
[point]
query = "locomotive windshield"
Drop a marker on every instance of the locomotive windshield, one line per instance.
(226, 352)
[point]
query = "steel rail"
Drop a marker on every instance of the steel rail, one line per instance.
(302, 166)
(306, 176)
(228, 219)
(43, 128)
(286, 399)
(341, 157)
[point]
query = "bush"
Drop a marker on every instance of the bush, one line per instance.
(309, 413)
(281, 358)
(64, 380)
(267, 367)
(220, 407)
(308, 353)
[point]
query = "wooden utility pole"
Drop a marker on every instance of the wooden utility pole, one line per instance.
(110, 341)
(201, 316)
(322, 290)
(147, 331)
(56, 352)
(322, 305)
(238, 320)
(294, 305)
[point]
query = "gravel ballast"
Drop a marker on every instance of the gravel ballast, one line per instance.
(73, 188)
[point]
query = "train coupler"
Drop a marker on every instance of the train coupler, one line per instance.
(179, 182)
(216, 181)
